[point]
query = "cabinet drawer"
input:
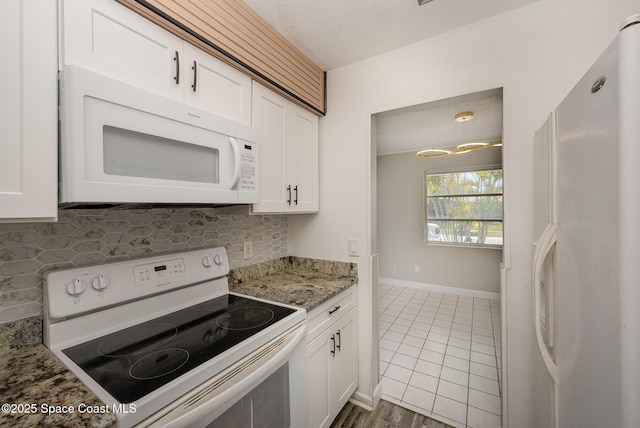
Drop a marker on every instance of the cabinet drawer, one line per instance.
(321, 317)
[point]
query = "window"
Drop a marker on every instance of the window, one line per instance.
(464, 208)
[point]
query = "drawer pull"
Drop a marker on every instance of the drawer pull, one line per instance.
(339, 340)
(334, 310)
(333, 340)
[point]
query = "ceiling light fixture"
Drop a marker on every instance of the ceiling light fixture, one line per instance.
(465, 116)
(433, 153)
(462, 118)
(472, 146)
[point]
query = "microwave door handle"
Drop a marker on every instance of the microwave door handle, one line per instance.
(237, 166)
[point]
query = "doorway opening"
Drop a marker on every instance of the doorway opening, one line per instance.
(439, 236)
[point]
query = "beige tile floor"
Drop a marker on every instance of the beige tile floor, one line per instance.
(440, 355)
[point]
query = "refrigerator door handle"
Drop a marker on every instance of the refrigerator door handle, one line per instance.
(544, 247)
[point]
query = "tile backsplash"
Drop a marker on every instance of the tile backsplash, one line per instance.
(92, 236)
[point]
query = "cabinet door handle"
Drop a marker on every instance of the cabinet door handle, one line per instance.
(177, 60)
(195, 75)
(334, 309)
(289, 190)
(333, 341)
(339, 340)
(295, 189)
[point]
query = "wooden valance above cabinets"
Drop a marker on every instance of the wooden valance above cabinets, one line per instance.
(232, 32)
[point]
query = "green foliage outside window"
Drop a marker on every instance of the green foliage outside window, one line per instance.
(464, 208)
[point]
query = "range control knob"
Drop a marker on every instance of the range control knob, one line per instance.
(100, 282)
(76, 287)
(207, 261)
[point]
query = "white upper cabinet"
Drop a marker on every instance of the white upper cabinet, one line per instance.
(214, 86)
(108, 38)
(288, 154)
(28, 122)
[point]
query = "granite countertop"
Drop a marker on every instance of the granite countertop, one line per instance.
(295, 287)
(296, 281)
(33, 380)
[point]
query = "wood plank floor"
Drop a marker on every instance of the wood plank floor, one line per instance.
(385, 415)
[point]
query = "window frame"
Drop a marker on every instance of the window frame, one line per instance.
(425, 205)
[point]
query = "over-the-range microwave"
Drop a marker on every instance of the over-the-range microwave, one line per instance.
(120, 144)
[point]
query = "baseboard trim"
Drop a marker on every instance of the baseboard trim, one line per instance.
(440, 288)
(363, 400)
(377, 394)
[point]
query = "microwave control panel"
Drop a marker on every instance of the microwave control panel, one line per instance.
(248, 166)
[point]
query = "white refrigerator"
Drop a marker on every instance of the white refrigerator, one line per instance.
(586, 263)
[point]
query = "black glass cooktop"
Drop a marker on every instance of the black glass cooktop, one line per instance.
(135, 361)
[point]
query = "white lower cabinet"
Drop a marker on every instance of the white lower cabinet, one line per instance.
(332, 368)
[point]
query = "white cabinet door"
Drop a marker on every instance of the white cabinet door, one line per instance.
(28, 120)
(269, 117)
(345, 363)
(302, 147)
(106, 37)
(320, 393)
(288, 154)
(332, 370)
(214, 86)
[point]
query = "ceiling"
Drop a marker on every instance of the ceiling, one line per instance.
(432, 125)
(333, 33)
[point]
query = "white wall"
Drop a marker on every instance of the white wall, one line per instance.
(536, 54)
(401, 226)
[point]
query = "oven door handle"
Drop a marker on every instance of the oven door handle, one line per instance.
(212, 395)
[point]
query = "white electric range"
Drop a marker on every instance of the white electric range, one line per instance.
(162, 342)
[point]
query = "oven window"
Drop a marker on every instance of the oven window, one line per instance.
(267, 405)
(134, 154)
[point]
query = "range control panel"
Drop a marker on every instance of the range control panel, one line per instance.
(74, 291)
(163, 271)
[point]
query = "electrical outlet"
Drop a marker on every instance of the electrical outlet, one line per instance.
(247, 249)
(417, 269)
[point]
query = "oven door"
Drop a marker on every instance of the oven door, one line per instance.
(266, 388)
(120, 144)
